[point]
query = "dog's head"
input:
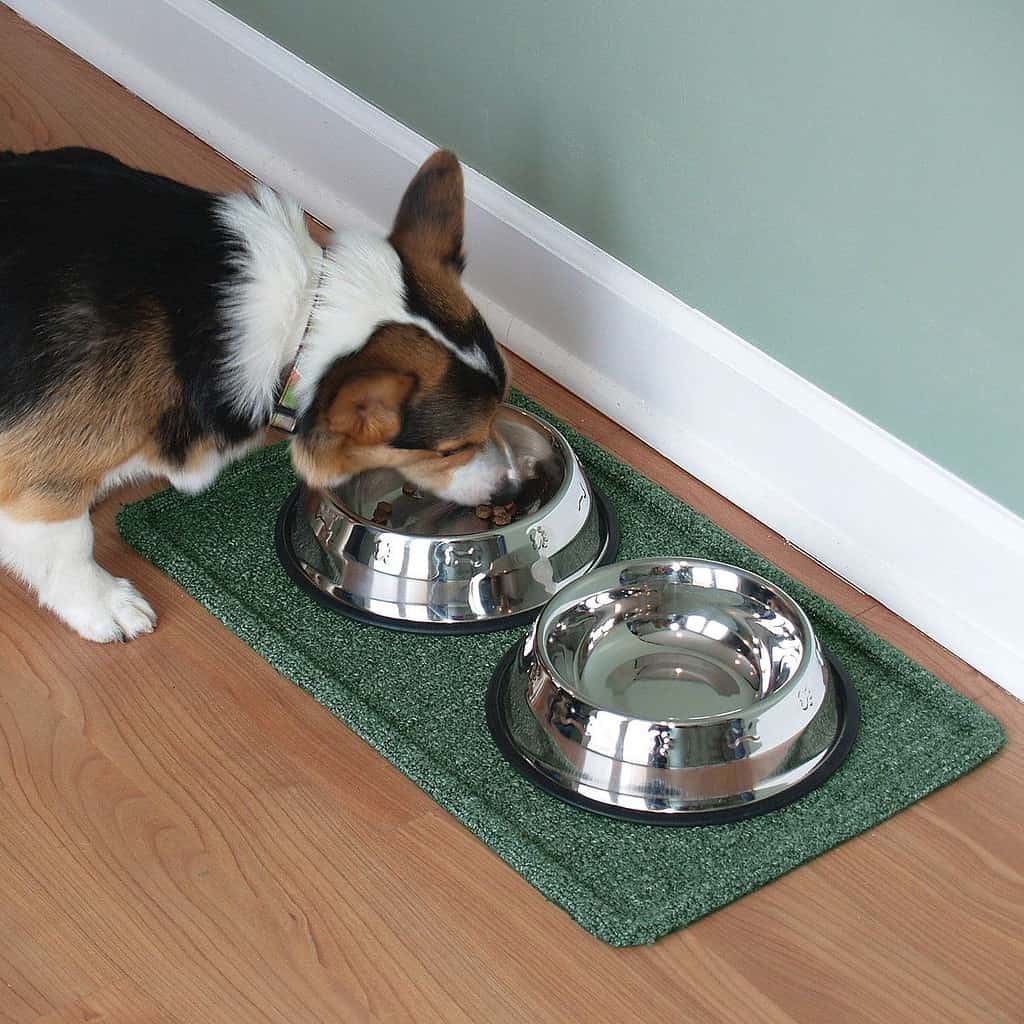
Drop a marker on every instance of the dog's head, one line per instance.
(402, 371)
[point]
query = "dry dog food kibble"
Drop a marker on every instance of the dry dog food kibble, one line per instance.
(408, 488)
(382, 513)
(505, 514)
(499, 515)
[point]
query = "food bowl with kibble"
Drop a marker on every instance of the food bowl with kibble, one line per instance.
(673, 691)
(379, 550)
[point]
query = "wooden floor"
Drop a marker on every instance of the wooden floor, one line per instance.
(185, 836)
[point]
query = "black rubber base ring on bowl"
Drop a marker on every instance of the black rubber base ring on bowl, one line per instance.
(282, 536)
(847, 707)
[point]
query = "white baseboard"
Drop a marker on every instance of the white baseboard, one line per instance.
(920, 540)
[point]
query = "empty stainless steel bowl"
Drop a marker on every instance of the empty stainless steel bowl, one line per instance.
(673, 691)
(438, 568)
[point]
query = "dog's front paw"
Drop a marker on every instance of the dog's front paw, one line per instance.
(113, 611)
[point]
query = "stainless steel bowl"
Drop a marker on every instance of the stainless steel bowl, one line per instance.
(436, 567)
(673, 691)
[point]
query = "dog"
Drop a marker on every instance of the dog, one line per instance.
(148, 328)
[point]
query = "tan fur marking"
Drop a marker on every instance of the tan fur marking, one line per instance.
(367, 409)
(442, 287)
(429, 222)
(428, 233)
(54, 460)
(403, 348)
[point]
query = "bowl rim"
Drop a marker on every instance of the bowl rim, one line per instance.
(537, 649)
(524, 522)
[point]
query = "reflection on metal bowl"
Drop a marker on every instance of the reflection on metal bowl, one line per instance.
(435, 566)
(673, 691)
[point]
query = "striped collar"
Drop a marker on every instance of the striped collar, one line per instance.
(285, 406)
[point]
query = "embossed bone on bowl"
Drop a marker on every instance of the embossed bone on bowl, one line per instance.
(436, 567)
(673, 691)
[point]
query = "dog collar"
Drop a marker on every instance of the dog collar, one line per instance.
(286, 406)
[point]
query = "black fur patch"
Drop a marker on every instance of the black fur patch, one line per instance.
(463, 334)
(91, 249)
(441, 415)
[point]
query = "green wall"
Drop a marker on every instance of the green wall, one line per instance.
(840, 184)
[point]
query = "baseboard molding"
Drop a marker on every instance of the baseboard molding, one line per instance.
(920, 540)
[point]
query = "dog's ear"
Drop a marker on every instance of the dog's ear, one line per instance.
(429, 223)
(368, 406)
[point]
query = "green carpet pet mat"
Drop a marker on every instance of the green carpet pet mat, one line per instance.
(419, 701)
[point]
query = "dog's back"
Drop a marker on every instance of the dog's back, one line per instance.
(91, 246)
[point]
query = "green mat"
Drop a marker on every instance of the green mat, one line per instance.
(626, 883)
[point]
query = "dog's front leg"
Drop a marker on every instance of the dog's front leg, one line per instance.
(56, 560)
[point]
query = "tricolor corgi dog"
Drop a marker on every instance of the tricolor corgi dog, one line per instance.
(150, 328)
